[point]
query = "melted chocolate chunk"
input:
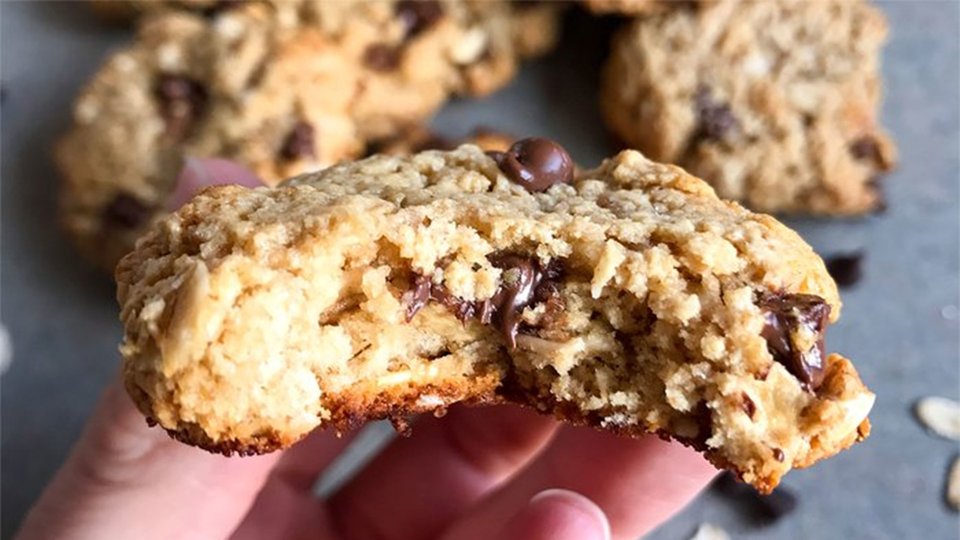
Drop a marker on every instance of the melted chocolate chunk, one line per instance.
(382, 57)
(126, 212)
(418, 15)
(845, 269)
(715, 120)
(524, 282)
(535, 163)
(795, 324)
(299, 142)
(182, 102)
(759, 510)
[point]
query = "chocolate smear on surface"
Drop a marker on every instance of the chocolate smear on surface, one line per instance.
(795, 324)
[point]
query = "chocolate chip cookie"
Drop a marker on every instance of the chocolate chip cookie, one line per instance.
(627, 297)
(774, 103)
(282, 87)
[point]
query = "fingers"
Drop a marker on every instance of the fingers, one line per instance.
(638, 483)
(125, 480)
(286, 507)
(199, 173)
(418, 485)
(554, 514)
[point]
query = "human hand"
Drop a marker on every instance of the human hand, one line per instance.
(498, 472)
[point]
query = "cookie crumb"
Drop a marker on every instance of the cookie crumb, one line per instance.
(940, 415)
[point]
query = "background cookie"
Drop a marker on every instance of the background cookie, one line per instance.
(282, 88)
(775, 103)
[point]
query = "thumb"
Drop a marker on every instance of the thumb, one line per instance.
(125, 480)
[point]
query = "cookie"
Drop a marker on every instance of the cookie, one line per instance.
(627, 297)
(420, 138)
(628, 7)
(775, 103)
(283, 88)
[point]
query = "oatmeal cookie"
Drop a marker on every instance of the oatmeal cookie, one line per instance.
(627, 297)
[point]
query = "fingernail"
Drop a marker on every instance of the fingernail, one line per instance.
(578, 503)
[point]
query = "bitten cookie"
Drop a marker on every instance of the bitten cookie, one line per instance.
(628, 297)
(775, 103)
(283, 88)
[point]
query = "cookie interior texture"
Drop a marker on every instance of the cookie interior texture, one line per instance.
(640, 303)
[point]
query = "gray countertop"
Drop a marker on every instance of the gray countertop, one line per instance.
(900, 323)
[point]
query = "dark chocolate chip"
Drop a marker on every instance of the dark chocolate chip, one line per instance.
(535, 163)
(759, 510)
(865, 148)
(518, 284)
(382, 57)
(299, 142)
(778, 455)
(524, 282)
(182, 101)
(845, 269)
(418, 15)
(418, 295)
(125, 211)
(801, 352)
(748, 405)
(715, 120)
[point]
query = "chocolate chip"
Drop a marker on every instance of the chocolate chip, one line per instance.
(865, 148)
(845, 269)
(715, 120)
(182, 101)
(748, 405)
(759, 510)
(418, 15)
(518, 284)
(795, 324)
(382, 57)
(418, 295)
(778, 455)
(125, 211)
(524, 282)
(299, 142)
(535, 163)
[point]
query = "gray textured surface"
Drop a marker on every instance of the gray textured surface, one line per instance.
(900, 323)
